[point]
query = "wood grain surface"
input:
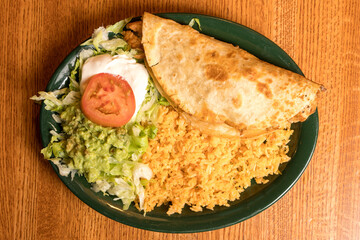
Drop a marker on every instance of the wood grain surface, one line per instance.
(323, 37)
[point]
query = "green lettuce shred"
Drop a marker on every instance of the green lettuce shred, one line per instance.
(193, 21)
(119, 26)
(100, 37)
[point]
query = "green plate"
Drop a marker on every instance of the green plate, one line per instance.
(254, 200)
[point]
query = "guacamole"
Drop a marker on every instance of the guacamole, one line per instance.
(99, 153)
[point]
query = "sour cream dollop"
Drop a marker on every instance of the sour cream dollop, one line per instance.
(134, 73)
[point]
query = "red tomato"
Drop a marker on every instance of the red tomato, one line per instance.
(108, 100)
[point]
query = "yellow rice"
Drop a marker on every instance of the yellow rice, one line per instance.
(204, 171)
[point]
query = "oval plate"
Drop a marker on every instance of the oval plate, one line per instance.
(254, 199)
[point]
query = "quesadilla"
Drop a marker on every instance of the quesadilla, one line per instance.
(220, 88)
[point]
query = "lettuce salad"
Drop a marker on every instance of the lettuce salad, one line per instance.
(109, 158)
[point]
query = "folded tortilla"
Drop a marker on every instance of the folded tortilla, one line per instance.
(220, 88)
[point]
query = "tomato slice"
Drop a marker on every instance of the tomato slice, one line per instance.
(108, 100)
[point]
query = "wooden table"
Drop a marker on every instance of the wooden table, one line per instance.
(323, 37)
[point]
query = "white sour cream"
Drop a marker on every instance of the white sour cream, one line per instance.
(134, 73)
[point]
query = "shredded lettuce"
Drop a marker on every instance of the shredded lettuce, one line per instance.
(56, 118)
(149, 108)
(51, 96)
(131, 53)
(84, 55)
(193, 21)
(63, 169)
(114, 44)
(101, 34)
(119, 26)
(141, 171)
(52, 100)
(124, 191)
(73, 74)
